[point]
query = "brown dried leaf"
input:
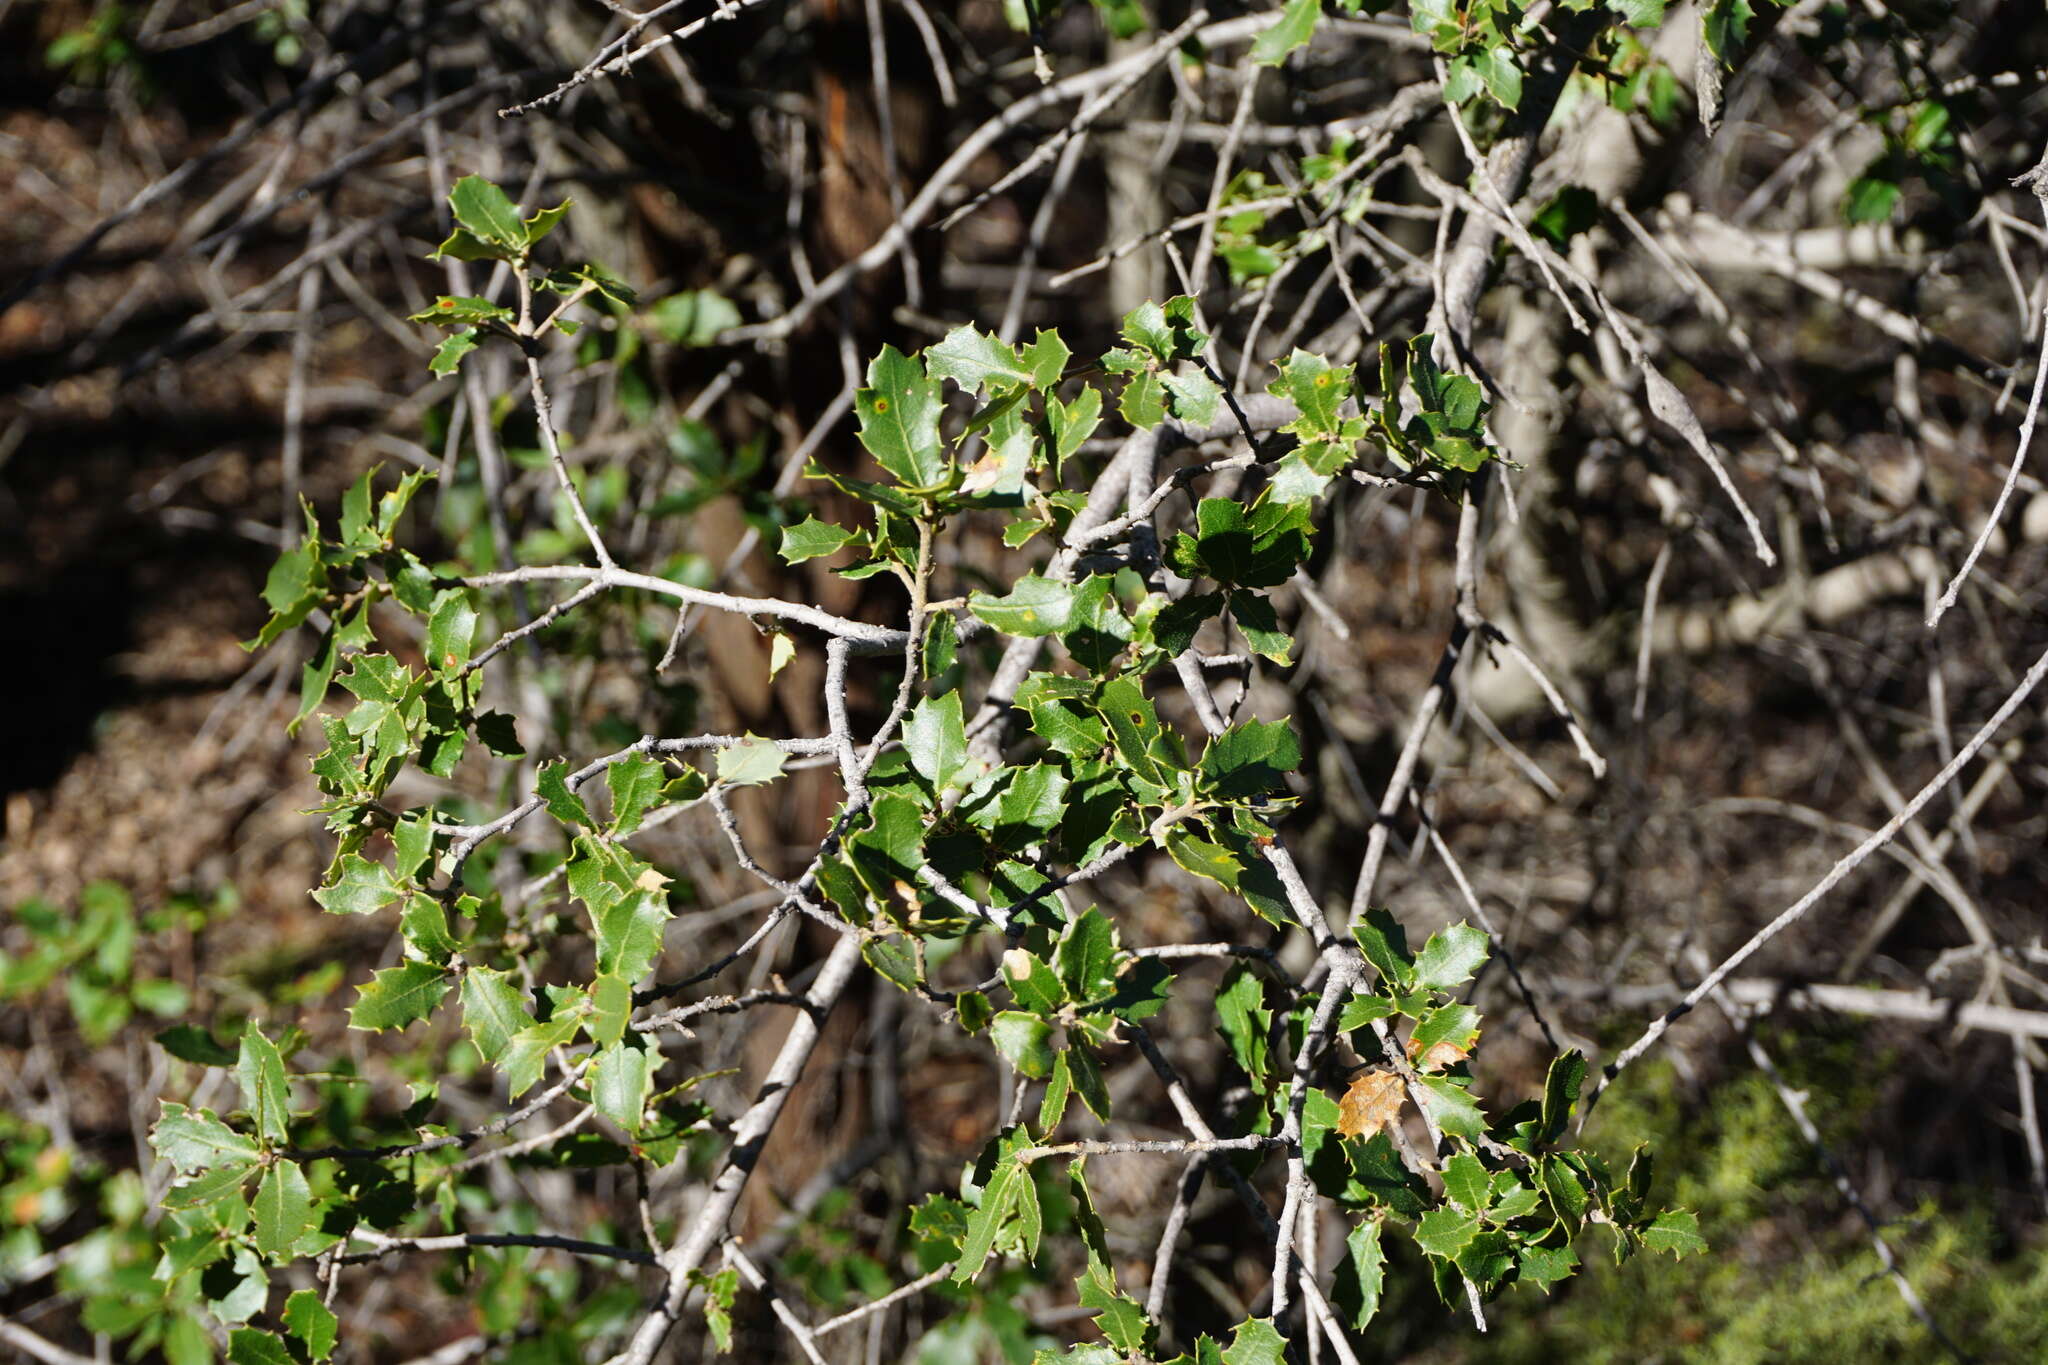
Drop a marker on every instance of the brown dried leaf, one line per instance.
(1373, 1102)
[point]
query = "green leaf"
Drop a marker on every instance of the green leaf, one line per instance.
(1361, 1274)
(1455, 1026)
(1451, 956)
(265, 1092)
(978, 361)
(1385, 944)
(695, 317)
(1256, 1342)
(628, 932)
(1452, 1107)
(1089, 1082)
(551, 784)
(1639, 13)
(1032, 804)
(720, 1291)
(1676, 1232)
(814, 539)
(492, 1010)
(450, 310)
(935, 738)
(196, 1140)
(308, 1319)
(248, 1346)
(1034, 606)
(611, 1004)
(1445, 1232)
(635, 783)
(1316, 388)
(1073, 423)
(1254, 616)
(1561, 1092)
(750, 764)
(1362, 1009)
(1467, 1183)
(451, 631)
(1053, 1107)
(1297, 25)
(1008, 1197)
(1546, 1266)
(398, 996)
(899, 421)
(425, 926)
(362, 888)
(1251, 759)
(1026, 1040)
(448, 356)
(1085, 958)
(487, 212)
(619, 1081)
(1497, 68)
(1245, 1021)
(1872, 196)
(190, 1043)
(283, 1209)
(526, 1055)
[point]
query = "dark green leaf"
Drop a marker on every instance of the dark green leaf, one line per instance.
(398, 996)
(362, 888)
(1026, 1040)
(283, 1209)
(1034, 606)
(266, 1095)
(485, 210)
(308, 1319)
(899, 420)
(492, 1010)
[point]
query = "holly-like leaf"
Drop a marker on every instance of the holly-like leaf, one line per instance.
(1361, 1274)
(398, 996)
(899, 420)
(1444, 1037)
(362, 888)
(1245, 1021)
(978, 361)
(1445, 1232)
(1675, 1232)
(424, 925)
(1451, 956)
(635, 783)
(248, 1346)
(1256, 1342)
(935, 738)
(1025, 1040)
(619, 1082)
(448, 356)
(814, 539)
(1297, 25)
(1085, 957)
(1452, 1107)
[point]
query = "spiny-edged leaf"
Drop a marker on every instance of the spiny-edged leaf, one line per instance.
(899, 420)
(628, 933)
(1316, 388)
(448, 356)
(492, 1010)
(526, 1055)
(1072, 423)
(1250, 759)
(1025, 1040)
(619, 1081)
(978, 361)
(283, 1208)
(1639, 13)
(1245, 1021)
(721, 1290)
(1031, 805)
(750, 764)
(1192, 398)
(1203, 857)
(1451, 956)
(1445, 1232)
(361, 888)
(1085, 957)
(813, 539)
(453, 310)
(635, 783)
(266, 1094)
(1676, 1232)
(935, 738)
(1498, 71)
(1008, 1195)
(1545, 1266)
(1452, 1107)
(1033, 983)
(487, 212)
(1385, 945)
(1255, 616)
(464, 245)
(451, 630)
(196, 1140)
(1173, 629)
(309, 1320)
(1363, 1009)
(1165, 331)
(248, 1346)
(1467, 1182)
(1133, 725)
(398, 996)
(1143, 400)
(1444, 1037)
(1256, 1342)
(1297, 25)
(552, 785)
(1361, 1274)
(1033, 606)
